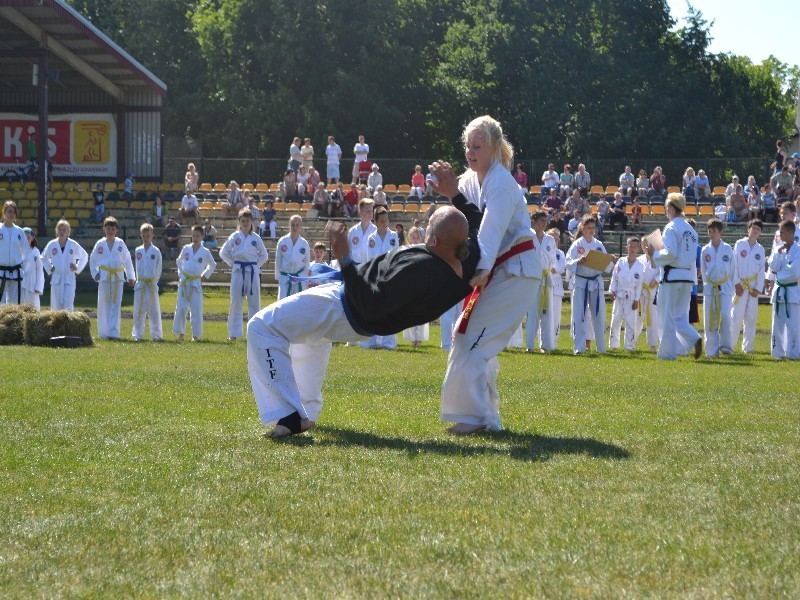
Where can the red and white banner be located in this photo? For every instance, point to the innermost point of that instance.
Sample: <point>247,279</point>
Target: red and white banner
<point>79,145</point>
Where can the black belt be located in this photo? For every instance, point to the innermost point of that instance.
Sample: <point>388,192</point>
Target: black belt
<point>5,277</point>
<point>669,268</point>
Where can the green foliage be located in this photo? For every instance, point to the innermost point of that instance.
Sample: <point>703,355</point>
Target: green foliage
<point>580,78</point>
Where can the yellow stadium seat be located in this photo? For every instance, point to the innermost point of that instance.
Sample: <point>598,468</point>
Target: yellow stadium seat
<point>179,187</point>
<point>390,188</point>
<point>597,189</point>
<point>59,195</point>
<point>164,187</point>
<point>136,205</point>
<point>82,213</point>
<point>673,189</point>
<point>19,195</point>
<point>248,187</point>
<point>30,185</point>
<point>83,185</point>
<point>70,213</point>
<point>690,211</point>
<point>611,189</point>
<point>56,186</point>
<point>279,206</point>
<point>85,195</point>
<point>274,187</point>
<point>205,187</point>
<point>719,190</point>
<point>220,188</point>
<point>262,188</point>
<point>16,185</point>
<point>412,209</point>
<point>705,211</point>
<point>424,207</point>
<point>396,207</point>
<point>292,207</point>
<point>657,209</point>
<point>535,189</point>
<point>5,194</point>
<point>151,187</point>
<point>73,195</point>
<point>403,189</point>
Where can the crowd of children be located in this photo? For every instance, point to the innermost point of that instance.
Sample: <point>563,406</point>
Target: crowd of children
<point>733,278</point>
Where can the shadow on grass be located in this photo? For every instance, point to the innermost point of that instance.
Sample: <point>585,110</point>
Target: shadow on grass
<point>519,446</point>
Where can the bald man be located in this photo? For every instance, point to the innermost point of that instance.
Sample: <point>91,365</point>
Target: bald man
<point>289,342</point>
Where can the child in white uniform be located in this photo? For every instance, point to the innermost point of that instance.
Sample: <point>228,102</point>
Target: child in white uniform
<point>63,259</point>
<point>33,273</point>
<point>146,303</point>
<point>292,258</point>
<point>716,266</point>
<point>556,288</point>
<point>13,249</point>
<point>194,262</point>
<point>539,308</point>
<point>244,251</point>
<point>626,292</point>
<point>647,315</point>
<point>749,259</point>
<point>381,241</point>
<point>587,294</point>
<point>110,264</point>
<point>784,265</point>
<point>360,232</point>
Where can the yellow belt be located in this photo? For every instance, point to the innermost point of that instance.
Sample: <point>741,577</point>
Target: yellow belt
<point>716,302</point>
<point>187,279</point>
<point>113,278</point>
<point>646,302</point>
<point>745,283</point>
<point>149,283</point>
<point>544,293</point>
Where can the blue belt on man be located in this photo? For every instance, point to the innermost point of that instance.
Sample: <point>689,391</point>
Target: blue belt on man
<point>586,295</point>
<point>247,265</point>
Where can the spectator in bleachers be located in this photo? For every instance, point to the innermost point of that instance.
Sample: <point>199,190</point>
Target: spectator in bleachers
<point>574,223</point>
<point>521,177</point>
<point>627,182</point>
<point>549,179</point>
<point>172,236</point>
<point>401,234</point>
<point>415,236</point>
<point>736,204</point>
<point>268,222</point>
<point>566,181</point>
<point>307,154</point>
<point>417,183</point>
<point>158,213</point>
<point>689,181</point>
<point>361,152</point>
<point>603,214</point>
<point>351,199</point>
<point>732,187</point>
<point>702,186</point>
<point>320,201</point>
<point>658,182</point>
<point>553,202</point>
<point>583,181</point>
<point>576,202</point>
<point>333,154</point>
<point>233,204</point>
<point>780,156</point>
<point>375,179</point>
<point>753,195</point>
<point>769,208</point>
<point>99,202</point>
<point>642,183</point>
<point>128,183</point>
<point>364,171</point>
<point>337,201</point>
<point>190,207</point>
<point>209,235</point>
<point>192,178</point>
<point>290,185</point>
<point>313,181</point>
<point>363,192</point>
<point>302,182</point>
<point>618,212</point>
<point>248,203</point>
<point>557,222</point>
<point>430,184</point>
<point>295,156</point>
<point>784,184</point>
<point>380,197</point>
<point>636,213</point>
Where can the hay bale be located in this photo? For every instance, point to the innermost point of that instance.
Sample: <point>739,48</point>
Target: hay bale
<point>12,318</point>
<point>40,327</point>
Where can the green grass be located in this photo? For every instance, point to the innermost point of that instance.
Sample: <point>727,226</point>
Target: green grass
<point>137,470</point>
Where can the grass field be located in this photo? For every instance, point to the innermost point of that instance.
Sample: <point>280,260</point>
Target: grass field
<point>137,470</point>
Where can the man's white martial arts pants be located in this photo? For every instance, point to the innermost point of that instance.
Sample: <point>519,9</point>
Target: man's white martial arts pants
<point>678,335</point>
<point>288,352</point>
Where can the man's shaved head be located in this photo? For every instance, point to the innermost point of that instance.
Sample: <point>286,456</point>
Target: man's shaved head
<point>449,226</point>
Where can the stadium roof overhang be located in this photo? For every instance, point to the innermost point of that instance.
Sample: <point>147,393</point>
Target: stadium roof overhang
<point>82,55</point>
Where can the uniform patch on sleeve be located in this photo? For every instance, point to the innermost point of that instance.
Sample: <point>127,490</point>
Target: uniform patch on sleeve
<point>355,241</point>
<point>707,258</point>
<point>372,243</point>
<point>284,247</point>
<point>726,258</point>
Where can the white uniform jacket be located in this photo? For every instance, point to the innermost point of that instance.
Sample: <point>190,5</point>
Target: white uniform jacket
<point>377,246</point>
<point>109,264</point>
<point>240,248</point>
<point>748,265</point>
<point>292,258</point>
<point>505,219</point>
<point>785,267</point>
<point>194,263</point>
<point>33,280</point>
<point>148,266</point>
<point>626,280</point>
<point>359,242</point>
<point>57,261</point>
<point>716,267</point>
<point>584,277</point>
<point>13,249</point>
<point>678,257</point>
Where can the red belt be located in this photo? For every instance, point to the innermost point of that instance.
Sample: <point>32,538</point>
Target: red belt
<point>469,303</point>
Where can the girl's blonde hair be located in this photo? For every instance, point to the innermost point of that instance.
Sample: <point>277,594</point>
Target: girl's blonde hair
<point>65,223</point>
<point>491,131</point>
